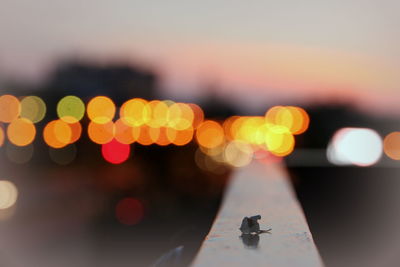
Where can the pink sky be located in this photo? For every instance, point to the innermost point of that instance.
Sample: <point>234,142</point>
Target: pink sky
<point>267,51</point>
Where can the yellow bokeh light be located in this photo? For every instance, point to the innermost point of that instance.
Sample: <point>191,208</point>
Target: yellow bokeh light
<point>159,113</point>
<point>214,151</point>
<point>21,132</point>
<point>279,141</point>
<point>70,109</point>
<point>10,108</point>
<point>33,108</point>
<point>180,116</point>
<point>238,154</point>
<point>210,134</point>
<point>101,109</point>
<point>391,145</point>
<point>57,134</point>
<point>250,130</point>
<point>101,133</point>
<point>135,112</point>
<point>8,194</point>
<point>295,119</point>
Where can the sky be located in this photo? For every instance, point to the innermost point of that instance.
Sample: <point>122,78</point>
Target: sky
<point>255,51</point>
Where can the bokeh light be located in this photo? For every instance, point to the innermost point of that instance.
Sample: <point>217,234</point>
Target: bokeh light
<point>63,156</point>
<point>158,113</point>
<point>101,133</point>
<point>10,108</point>
<point>180,116</point>
<point>19,154</point>
<point>101,109</point>
<point>210,134</point>
<point>70,109</point>
<point>115,152</point>
<point>160,122</point>
<point>57,134</point>
<point>146,135</point>
<point>76,131</point>
<point>2,136</point>
<point>8,194</point>
<point>238,154</point>
<point>391,145</point>
<point>135,112</point>
<point>123,132</point>
<point>165,136</point>
<point>33,108</point>
<point>129,211</point>
<point>198,115</point>
<point>21,132</point>
<point>279,140</point>
<point>295,119</point>
<point>358,146</point>
<point>180,137</point>
<point>207,163</point>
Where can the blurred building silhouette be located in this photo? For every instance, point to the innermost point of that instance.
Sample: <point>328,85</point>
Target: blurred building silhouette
<point>86,80</point>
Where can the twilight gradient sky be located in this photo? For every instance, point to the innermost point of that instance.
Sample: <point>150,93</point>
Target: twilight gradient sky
<point>257,51</point>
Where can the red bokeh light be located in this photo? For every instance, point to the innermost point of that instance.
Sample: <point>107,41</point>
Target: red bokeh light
<point>129,211</point>
<point>115,152</point>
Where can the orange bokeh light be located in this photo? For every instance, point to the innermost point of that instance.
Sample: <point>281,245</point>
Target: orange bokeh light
<point>10,108</point>
<point>182,137</point>
<point>123,132</point>
<point>57,134</point>
<point>163,137</point>
<point>101,133</point>
<point>1,136</point>
<point>101,109</point>
<point>391,145</point>
<point>210,134</point>
<point>198,115</point>
<point>76,131</point>
<point>21,132</point>
<point>146,135</point>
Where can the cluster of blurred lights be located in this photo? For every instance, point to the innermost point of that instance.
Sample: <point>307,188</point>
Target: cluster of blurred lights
<point>355,146</point>
<point>238,139</point>
<point>234,141</point>
<point>362,147</point>
<point>144,122</point>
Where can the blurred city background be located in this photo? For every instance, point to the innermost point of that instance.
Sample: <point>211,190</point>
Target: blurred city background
<point>121,123</point>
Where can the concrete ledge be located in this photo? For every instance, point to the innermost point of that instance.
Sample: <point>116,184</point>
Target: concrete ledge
<point>265,190</point>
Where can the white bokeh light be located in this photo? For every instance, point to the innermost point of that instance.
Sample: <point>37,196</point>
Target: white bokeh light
<point>357,146</point>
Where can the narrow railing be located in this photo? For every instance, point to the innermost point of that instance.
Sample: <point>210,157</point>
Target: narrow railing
<point>265,190</point>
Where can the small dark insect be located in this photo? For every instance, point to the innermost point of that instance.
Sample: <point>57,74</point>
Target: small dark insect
<point>250,225</point>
